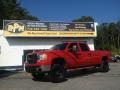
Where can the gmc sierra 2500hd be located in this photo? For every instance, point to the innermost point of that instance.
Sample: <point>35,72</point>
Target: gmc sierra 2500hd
<point>65,56</point>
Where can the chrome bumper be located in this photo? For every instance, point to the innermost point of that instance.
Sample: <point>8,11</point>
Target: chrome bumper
<point>42,68</point>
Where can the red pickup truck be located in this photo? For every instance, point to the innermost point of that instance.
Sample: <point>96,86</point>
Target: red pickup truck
<point>65,56</point>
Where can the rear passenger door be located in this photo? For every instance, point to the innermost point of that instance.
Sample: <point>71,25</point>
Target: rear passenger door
<point>84,55</point>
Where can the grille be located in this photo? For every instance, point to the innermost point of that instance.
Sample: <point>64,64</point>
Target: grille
<point>31,59</point>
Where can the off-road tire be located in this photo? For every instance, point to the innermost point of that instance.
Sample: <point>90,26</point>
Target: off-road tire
<point>104,67</point>
<point>57,73</point>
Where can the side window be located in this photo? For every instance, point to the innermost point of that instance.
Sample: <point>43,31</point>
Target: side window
<point>84,47</point>
<point>73,47</point>
<point>59,46</point>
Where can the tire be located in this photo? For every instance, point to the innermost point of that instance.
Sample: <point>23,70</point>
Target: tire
<point>104,67</point>
<point>37,76</point>
<point>57,73</point>
<point>117,60</point>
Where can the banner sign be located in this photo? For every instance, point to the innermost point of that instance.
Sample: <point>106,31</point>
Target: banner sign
<point>25,28</point>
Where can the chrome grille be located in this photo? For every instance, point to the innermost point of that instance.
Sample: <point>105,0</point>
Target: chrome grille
<point>32,59</point>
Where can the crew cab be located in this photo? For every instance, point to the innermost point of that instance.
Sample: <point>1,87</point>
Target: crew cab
<point>65,56</point>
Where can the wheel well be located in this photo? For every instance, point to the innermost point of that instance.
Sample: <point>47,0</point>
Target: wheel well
<point>104,58</point>
<point>60,61</point>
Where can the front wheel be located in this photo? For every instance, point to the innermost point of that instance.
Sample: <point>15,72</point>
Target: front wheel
<point>104,67</point>
<point>57,73</point>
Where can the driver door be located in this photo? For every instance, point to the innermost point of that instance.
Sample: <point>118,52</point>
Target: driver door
<point>72,54</point>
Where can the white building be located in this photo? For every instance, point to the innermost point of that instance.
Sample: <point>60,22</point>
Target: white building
<point>15,44</point>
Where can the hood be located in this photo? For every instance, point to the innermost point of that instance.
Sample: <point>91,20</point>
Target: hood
<point>45,51</point>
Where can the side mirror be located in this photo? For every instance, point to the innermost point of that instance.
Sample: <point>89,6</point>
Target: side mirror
<point>74,48</point>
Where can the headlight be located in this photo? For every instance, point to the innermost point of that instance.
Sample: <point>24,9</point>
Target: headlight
<point>42,57</point>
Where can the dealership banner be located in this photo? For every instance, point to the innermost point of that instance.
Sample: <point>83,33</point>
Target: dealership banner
<point>26,28</point>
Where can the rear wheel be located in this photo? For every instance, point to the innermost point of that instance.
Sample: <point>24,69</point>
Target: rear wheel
<point>57,73</point>
<point>104,67</point>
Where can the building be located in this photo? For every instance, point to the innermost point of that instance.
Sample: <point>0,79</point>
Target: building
<point>20,37</point>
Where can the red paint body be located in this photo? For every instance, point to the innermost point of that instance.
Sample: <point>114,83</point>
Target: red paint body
<point>77,58</point>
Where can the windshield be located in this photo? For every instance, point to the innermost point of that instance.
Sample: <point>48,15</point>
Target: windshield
<point>59,47</point>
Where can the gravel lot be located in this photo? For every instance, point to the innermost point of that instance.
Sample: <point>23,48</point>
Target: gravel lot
<point>76,80</point>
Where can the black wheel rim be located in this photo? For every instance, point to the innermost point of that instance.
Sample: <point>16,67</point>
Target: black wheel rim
<point>59,73</point>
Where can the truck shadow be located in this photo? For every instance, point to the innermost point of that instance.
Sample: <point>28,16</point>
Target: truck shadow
<point>81,72</point>
<point>5,73</point>
<point>73,74</point>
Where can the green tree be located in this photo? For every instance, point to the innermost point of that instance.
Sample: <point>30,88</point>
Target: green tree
<point>84,19</point>
<point>118,30</point>
<point>108,37</point>
<point>11,9</point>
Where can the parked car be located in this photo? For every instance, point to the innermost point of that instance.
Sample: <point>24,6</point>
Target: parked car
<point>116,58</point>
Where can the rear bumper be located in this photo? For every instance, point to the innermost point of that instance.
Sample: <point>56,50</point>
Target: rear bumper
<point>42,68</point>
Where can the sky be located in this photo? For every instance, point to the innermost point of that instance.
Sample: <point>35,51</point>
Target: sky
<point>68,10</point>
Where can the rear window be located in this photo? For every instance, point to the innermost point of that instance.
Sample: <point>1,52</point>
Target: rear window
<point>84,47</point>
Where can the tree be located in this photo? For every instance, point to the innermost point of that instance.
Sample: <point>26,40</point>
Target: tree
<point>118,29</point>
<point>84,19</point>
<point>108,37</point>
<point>11,9</point>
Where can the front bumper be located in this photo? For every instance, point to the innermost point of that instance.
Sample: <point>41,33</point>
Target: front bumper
<point>42,68</point>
